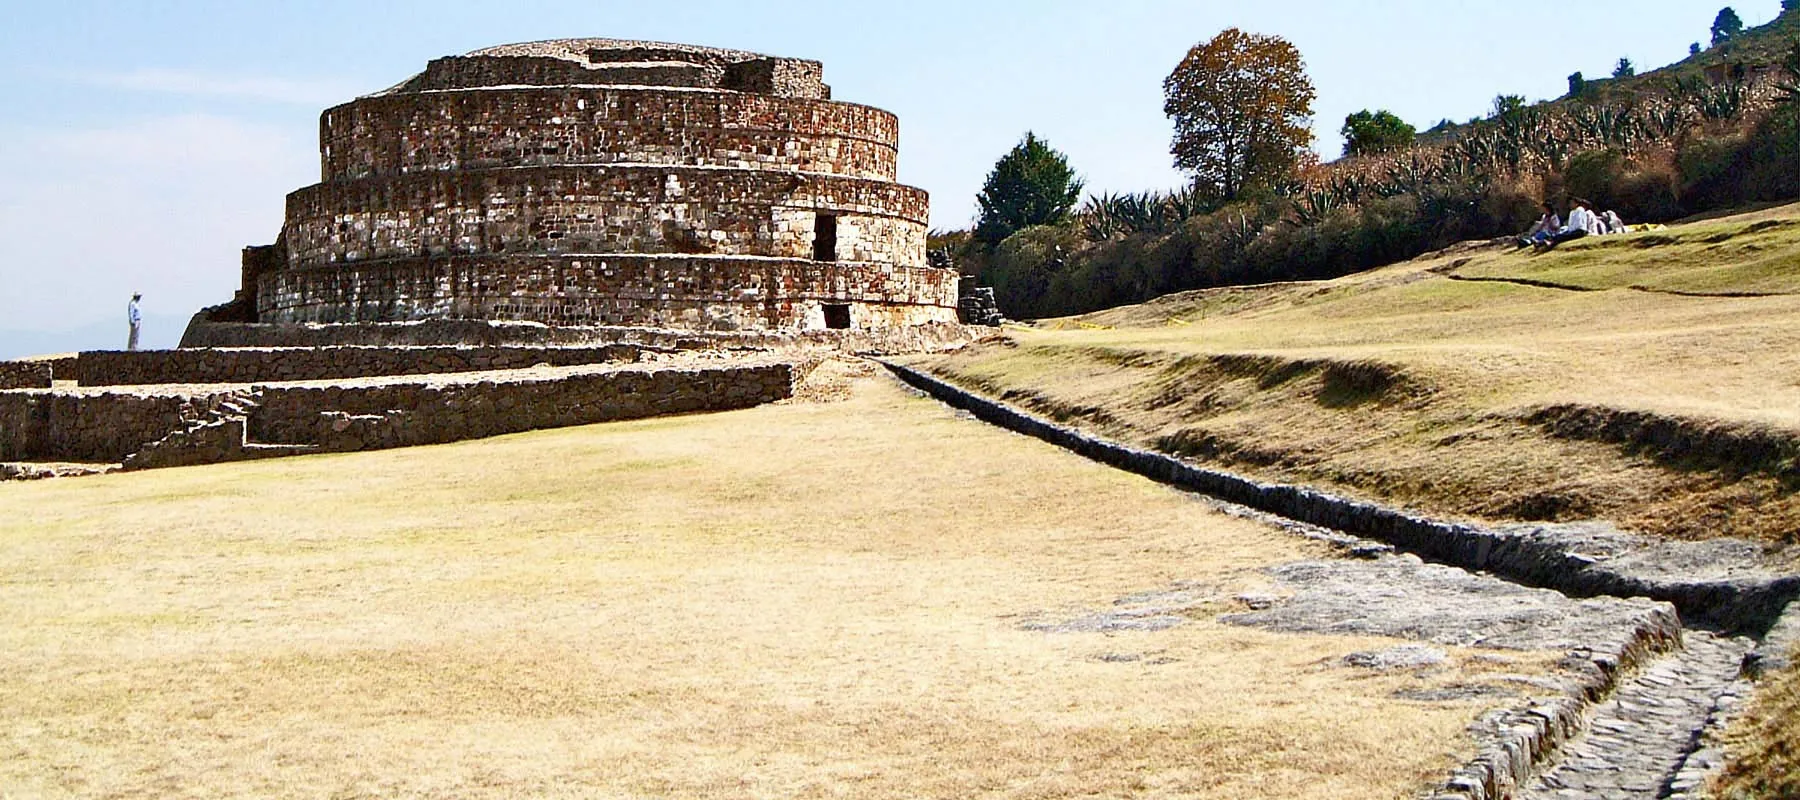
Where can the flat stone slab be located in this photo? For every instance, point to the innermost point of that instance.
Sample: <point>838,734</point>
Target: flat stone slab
<point>1404,597</point>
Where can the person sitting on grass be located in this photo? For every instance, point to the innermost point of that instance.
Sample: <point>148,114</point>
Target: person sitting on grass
<point>1582,222</point>
<point>1613,223</point>
<point>1546,227</point>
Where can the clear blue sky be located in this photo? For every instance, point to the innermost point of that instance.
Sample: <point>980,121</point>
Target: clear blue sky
<point>143,143</point>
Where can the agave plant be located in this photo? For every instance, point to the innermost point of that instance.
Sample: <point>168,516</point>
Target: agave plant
<point>1313,208</point>
<point>1241,231</point>
<point>1099,222</point>
<point>1790,68</point>
<point>1722,102</point>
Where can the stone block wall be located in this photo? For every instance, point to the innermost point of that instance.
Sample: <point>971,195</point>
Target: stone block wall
<point>650,64</point>
<point>263,365</point>
<point>404,414</point>
<point>637,210</point>
<point>185,426</point>
<point>93,425</point>
<point>26,374</point>
<point>387,135</point>
<point>204,331</point>
<point>667,291</point>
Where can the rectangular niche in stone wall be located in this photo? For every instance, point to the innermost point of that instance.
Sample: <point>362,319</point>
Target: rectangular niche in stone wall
<point>825,231</point>
<point>837,316</point>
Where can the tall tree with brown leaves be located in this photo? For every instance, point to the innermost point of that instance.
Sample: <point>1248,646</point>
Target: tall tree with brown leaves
<point>1242,106</point>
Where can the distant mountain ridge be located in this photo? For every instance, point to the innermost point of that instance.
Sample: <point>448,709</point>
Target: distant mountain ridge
<point>160,331</point>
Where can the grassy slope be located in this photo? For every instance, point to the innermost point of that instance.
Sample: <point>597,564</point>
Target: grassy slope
<point>1407,385</point>
<point>807,600</point>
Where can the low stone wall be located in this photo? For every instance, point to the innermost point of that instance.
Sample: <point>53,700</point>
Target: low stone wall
<point>269,364</point>
<point>403,414</point>
<point>1719,582</point>
<point>203,426</point>
<point>93,425</point>
<point>25,374</point>
<point>204,331</point>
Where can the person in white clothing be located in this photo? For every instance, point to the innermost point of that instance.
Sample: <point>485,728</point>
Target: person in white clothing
<point>135,319</point>
<point>1546,227</point>
<point>1582,222</point>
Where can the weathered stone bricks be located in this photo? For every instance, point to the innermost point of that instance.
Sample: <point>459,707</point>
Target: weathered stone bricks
<point>598,182</point>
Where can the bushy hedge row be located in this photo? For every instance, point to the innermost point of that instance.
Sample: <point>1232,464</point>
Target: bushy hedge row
<point>1054,271</point>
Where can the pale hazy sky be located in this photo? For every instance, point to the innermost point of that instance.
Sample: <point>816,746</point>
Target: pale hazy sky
<point>144,143</point>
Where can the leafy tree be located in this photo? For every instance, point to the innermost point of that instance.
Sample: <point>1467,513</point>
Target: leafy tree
<point>1726,26</point>
<point>1625,69</point>
<point>1507,105</point>
<point>1030,185</point>
<point>1577,85</point>
<point>1789,5</point>
<point>1242,107</point>
<point>1694,49</point>
<point>1368,133</point>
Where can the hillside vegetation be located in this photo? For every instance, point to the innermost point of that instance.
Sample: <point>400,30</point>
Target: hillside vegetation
<point>1652,379</point>
<point>1718,131</point>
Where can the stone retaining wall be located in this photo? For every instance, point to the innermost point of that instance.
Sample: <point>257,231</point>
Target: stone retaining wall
<point>93,426</point>
<point>25,374</point>
<point>205,331</point>
<point>401,414</point>
<point>270,364</point>
<point>109,426</point>
<point>1742,599</point>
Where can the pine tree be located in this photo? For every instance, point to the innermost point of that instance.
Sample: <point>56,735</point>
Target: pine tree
<point>1625,69</point>
<point>1031,185</point>
<point>1726,26</point>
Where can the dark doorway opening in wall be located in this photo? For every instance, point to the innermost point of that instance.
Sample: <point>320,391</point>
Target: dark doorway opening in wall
<point>825,238</point>
<point>837,316</point>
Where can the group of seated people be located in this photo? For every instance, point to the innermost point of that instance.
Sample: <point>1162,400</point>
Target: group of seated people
<point>1551,231</point>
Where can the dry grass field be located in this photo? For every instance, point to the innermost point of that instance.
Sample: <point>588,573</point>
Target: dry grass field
<point>1481,382</point>
<point>815,599</point>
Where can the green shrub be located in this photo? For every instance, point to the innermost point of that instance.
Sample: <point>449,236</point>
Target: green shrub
<point>1023,266</point>
<point>1771,157</point>
<point>1710,169</point>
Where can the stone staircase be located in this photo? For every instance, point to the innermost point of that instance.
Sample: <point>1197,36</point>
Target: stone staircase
<point>219,433</point>
<point>976,306</point>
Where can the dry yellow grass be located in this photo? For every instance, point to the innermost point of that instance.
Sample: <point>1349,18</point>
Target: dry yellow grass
<point>1765,744</point>
<point>806,600</point>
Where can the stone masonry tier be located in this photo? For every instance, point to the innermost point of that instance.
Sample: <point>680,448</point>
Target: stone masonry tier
<point>260,364</point>
<point>604,210</point>
<point>510,127</point>
<point>562,62</point>
<point>693,292</point>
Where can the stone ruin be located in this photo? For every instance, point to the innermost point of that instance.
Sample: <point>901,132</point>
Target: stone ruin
<point>526,236</point>
<point>597,182</point>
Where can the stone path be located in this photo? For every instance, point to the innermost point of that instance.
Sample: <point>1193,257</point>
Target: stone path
<point>1637,740</point>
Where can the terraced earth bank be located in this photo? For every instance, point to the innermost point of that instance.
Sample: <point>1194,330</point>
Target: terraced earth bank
<point>1645,385</point>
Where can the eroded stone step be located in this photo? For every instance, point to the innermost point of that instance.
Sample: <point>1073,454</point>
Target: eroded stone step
<point>1637,740</point>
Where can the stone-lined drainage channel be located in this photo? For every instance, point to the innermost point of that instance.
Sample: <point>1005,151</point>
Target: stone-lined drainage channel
<point>1643,699</point>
